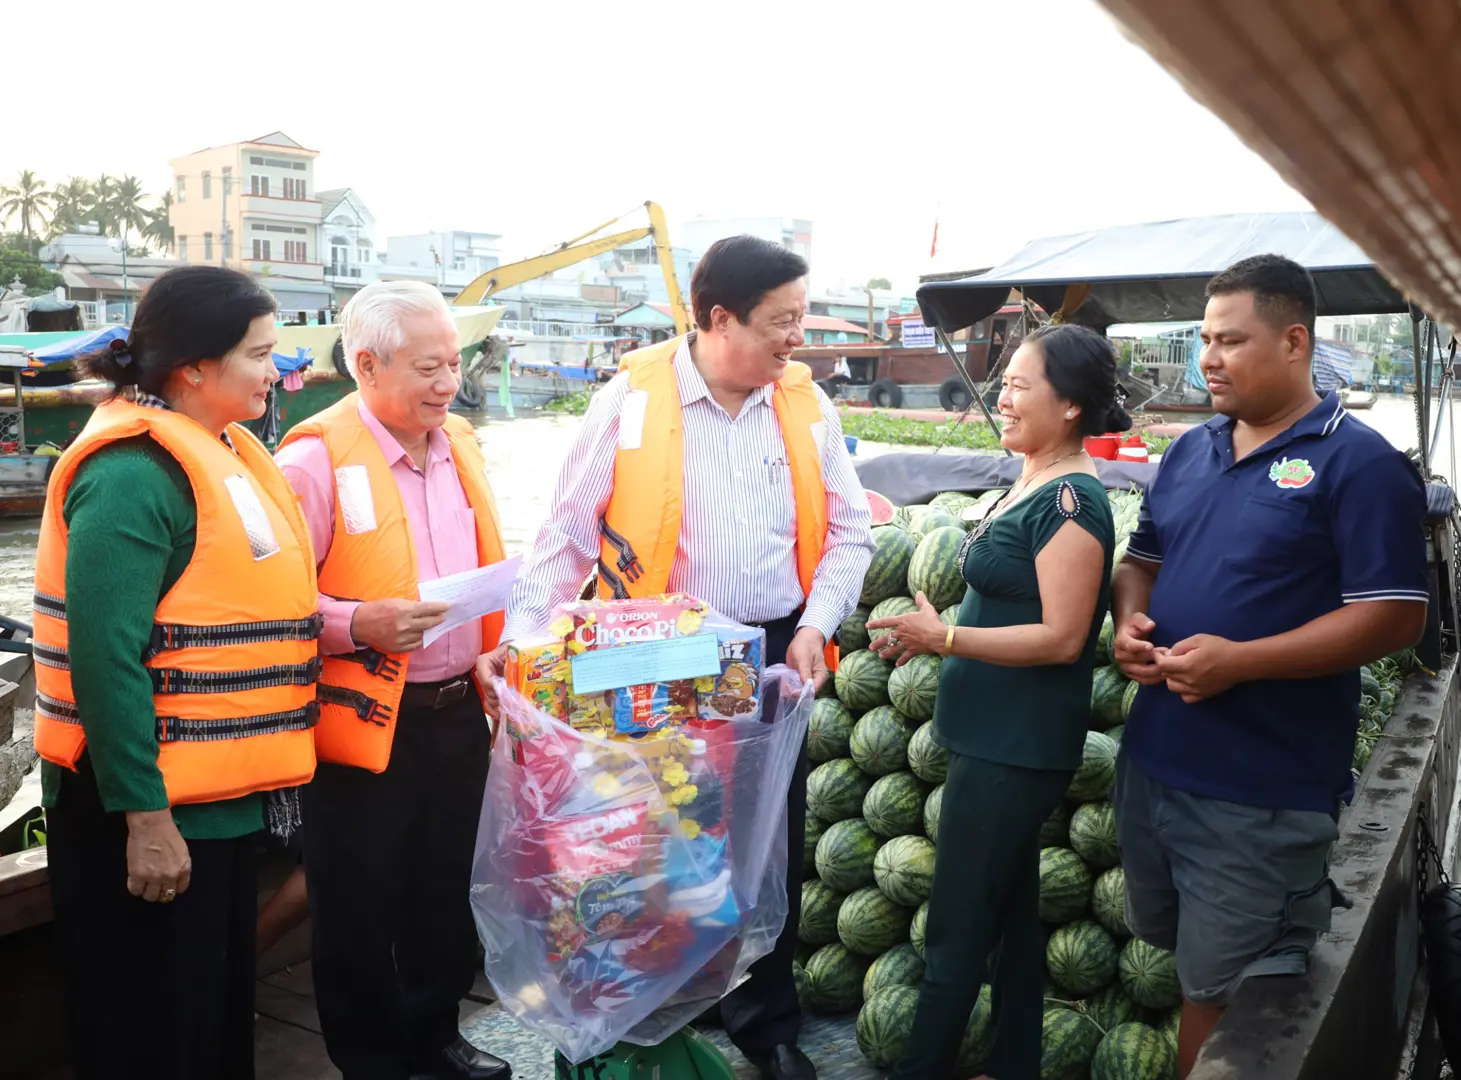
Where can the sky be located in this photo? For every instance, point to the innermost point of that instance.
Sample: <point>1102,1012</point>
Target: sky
<point>1003,121</point>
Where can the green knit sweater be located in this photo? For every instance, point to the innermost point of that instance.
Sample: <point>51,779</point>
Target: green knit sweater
<point>132,525</point>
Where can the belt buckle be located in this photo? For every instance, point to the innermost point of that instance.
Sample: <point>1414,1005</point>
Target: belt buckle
<point>451,693</point>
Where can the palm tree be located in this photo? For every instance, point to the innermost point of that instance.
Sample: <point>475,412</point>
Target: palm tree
<point>119,205</point>
<point>29,199</point>
<point>75,202</point>
<point>159,231</point>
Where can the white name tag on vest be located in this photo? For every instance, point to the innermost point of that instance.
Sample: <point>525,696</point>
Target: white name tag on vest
<point>262,541</point>
<point>631,419</point>
<point>357,504</point>
<point>819,436</point>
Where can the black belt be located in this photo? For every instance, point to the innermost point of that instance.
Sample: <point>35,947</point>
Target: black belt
<point>436,695</point>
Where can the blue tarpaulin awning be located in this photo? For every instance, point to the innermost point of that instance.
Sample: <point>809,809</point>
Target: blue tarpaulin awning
<point>61,352</point>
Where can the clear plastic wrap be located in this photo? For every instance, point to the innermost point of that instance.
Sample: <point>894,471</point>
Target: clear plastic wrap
<point>618,888</point>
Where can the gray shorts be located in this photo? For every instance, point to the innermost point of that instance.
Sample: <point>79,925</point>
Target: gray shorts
<point>1234,891</point>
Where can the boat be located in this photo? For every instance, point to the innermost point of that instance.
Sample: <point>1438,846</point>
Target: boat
<point>1353,398</point>
<point>23,474</point>
<point>54,414</point>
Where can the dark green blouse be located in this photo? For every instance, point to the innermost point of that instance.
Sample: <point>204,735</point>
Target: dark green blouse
<point>132,525</point>
<point>1033,717</point>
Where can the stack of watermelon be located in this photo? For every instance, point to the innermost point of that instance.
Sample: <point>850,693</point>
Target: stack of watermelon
<point>873,801</point>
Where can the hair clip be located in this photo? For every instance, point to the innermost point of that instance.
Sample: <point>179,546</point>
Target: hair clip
<point>121,352</point>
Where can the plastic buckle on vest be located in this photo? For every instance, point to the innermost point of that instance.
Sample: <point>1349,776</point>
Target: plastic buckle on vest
<point>311,714</point>
<point>313,667</point>
<point>361,704</point>
<point>315,624</point>
<point>377,663</point>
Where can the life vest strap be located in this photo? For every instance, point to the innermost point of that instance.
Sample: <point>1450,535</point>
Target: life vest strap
<point>613,581</point>
<point>50,605</point>
<point>169,636</point>
<point>627,562</point>
<point>63,712</point>
<point>176,729</point>
<point>357,701</point>
<point>51,656</point>
<point>175,681</point>
<point>375,662</point>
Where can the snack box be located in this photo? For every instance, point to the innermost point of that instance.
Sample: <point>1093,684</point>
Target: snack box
<point>538,669</point>
<point>736,691</point>
<point>601,624</point>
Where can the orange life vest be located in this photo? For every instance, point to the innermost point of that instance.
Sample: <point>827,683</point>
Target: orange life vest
<point>233,657</point>
<point>641,524</point>
<point>373,557</point>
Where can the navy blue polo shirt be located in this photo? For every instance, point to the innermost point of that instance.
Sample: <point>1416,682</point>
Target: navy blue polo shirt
<point>1326,514</point>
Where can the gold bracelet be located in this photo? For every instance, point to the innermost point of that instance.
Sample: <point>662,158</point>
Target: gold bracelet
<point>949,641</point>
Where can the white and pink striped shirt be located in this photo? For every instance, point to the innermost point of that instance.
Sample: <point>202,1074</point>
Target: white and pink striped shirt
<point>738,525</point>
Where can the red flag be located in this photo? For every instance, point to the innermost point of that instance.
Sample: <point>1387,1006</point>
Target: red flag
<point>933,248</point>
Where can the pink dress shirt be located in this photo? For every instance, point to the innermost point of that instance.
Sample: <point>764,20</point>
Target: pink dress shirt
<point>442,530</point>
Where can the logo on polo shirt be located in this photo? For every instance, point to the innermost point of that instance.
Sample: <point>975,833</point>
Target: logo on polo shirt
<point>1291,474</point>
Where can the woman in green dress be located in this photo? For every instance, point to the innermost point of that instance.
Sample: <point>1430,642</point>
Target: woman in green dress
<point>1014,699</point>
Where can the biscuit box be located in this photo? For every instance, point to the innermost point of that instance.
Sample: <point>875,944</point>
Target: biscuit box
<point>538,670</point>
<point>736,691</point>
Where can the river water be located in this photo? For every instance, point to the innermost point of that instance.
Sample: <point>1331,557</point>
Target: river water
<point>523,458</point>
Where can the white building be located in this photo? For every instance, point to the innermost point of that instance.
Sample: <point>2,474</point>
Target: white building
<point>451,259</point>
<point>794,234</point>
<point>347,242</point>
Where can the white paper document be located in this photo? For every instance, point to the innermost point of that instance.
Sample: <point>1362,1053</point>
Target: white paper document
<point>471,594</point>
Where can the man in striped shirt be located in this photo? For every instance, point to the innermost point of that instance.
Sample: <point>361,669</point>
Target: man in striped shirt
<point>712,428</point>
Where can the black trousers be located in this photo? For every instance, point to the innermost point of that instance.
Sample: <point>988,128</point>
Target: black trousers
<point>763,1012</point>
<point>986,894</point>
<point>164,991</point>
<point>388,859</point>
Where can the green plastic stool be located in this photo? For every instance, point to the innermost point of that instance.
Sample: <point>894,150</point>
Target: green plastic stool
<point>685,1055</point>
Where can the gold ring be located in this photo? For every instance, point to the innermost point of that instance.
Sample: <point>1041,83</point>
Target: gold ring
<point>169,895</point>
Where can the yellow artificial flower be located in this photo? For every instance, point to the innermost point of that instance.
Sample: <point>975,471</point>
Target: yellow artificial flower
<point>705,684</point>
<point>675,774</point>
<point>683,794</point>
<point>561,627</point>
<point>607,785</point>
<point>690,827</point>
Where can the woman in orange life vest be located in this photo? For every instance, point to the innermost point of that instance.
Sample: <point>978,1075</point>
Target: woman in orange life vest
<point>176,661</point>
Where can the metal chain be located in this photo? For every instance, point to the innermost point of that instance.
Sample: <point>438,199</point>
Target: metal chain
<point>1426,854</point>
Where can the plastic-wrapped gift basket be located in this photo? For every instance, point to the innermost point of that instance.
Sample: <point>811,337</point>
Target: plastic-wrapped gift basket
<point>631,855</point>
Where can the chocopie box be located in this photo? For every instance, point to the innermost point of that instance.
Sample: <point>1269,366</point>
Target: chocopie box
<point>736,692</point>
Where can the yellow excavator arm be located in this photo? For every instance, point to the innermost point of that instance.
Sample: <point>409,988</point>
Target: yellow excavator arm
<point>573,251</point>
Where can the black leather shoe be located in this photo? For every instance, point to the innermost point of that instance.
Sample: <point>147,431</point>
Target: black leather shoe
<point>463,1059</point>
<point>786,1062</point>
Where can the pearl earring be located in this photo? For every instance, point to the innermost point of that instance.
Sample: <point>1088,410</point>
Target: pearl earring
<point>1070,414</point>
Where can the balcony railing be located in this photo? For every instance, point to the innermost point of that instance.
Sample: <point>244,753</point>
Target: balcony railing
<point>338,270</point>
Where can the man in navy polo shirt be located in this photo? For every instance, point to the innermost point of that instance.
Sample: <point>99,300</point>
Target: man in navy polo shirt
<point>1281,546</point>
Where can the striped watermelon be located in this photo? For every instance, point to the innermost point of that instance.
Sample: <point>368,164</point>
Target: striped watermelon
<point>931,808</point>
<point>879,743</point>
<point>949,616</point>
<point>928,760</point>
<point>887,574</point>
<point>1111,1006</point>
<point>1068,1042</point>
<point>891,608</point>
<point>1171,1024</point>
<point>1056,830</point>
<point>803,953</point>
<point>903,869</point>
<point>835,975</point>
<point>1065,884</point>
<point>1081,957</point>
<point>913,687</point>
<point>1149,975</point>
<point>1128,699</point>
<point>916,930</point>
<point>1108,687</point>
<point>1115,734</point>
<point>829,730</point>
<point>953,502</point>
<point>1108,902</point>
<point>978,1038</point>
<point>845,855</point>
<point>1106,642</point>
<point>803,984</point>
<point>853,635</point>
<point>835,790</point>
<point>870,924</point>
<point>811,833</point>
<point>818,924</point>
<point>899,966</point>
<point>934,569</point>
<point>1097,772</point>
<point>862,680</point>
<point>926,519</point>
<point>895,806</point>
<point>884,1024</point>
<point>1133,1051</point>
<point>1093,834</point>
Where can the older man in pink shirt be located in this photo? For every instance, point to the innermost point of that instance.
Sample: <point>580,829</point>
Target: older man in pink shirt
<point>390,819</point>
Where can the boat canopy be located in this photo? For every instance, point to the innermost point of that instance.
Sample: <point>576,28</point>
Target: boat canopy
<point>1157,272</point>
